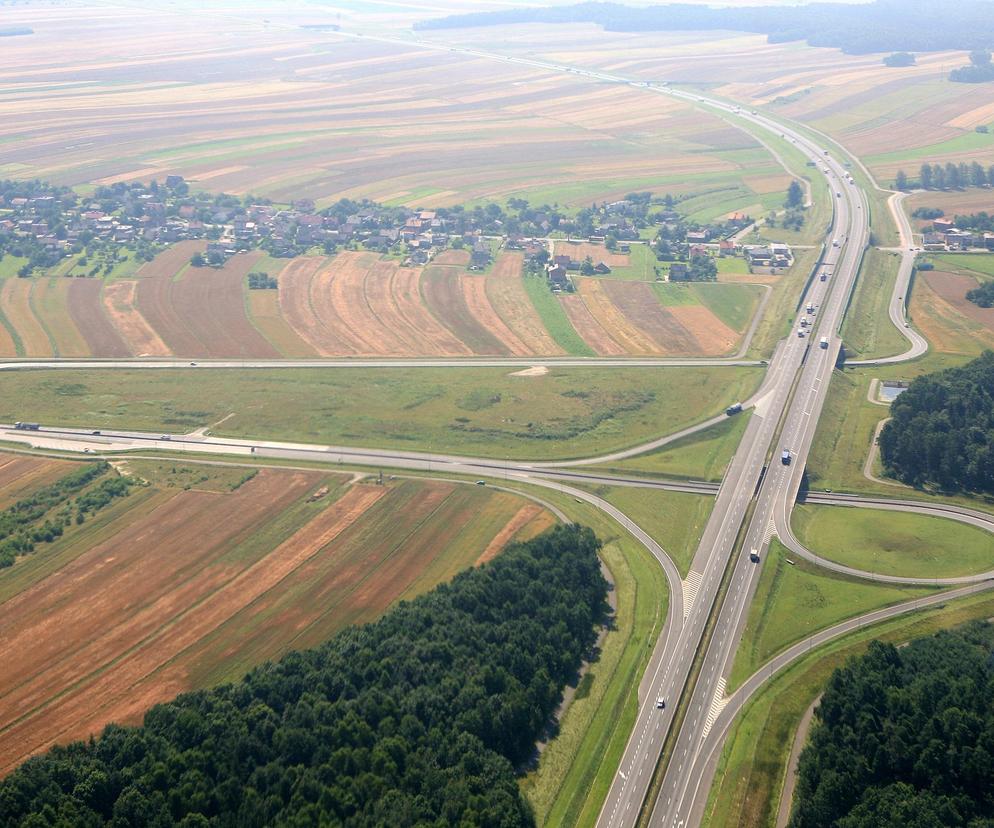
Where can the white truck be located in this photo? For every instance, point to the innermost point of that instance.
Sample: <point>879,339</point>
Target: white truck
<point>823,343</point>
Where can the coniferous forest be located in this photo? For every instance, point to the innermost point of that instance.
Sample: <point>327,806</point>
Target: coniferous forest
<point>420,718</point>
<point>904,738</point>
<point>941,430</point>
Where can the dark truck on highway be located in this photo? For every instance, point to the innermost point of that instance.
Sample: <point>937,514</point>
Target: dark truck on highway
<point>27,426</point>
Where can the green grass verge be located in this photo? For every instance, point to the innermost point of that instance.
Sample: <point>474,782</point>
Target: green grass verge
<point>749,778</point>
<point>977,262</point>
<point>701,456</point>
<point>868,329</point>
<point>641,265</point>
<point>569,412</point>
<point>796,600</point>
<point>675,520</point>
<point>577,767</point>
<point>894,543</point>
<point>551,312</point>
<point>734,304</point>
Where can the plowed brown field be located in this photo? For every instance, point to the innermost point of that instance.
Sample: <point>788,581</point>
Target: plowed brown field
<point>191,587</point>
<point>68,631</point>
<point>638,302</point>
<point>90,316</point>
<point>121,303</point>
<point>19,472</point>
<point>171,260</point>
<point>589,328</point>
<point>509,299</point>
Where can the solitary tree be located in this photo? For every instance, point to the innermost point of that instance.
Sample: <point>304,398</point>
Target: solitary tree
<point>795,195</point>
<point>901,180</point>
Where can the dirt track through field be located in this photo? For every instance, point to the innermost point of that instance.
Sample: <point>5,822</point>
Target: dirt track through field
<point>630,337</point>
<point>15,299</point>
<point>88,312</point>
<point>589,328</point>
<point>125,595</point>
<point>121,303</point>
<point>511,302</point>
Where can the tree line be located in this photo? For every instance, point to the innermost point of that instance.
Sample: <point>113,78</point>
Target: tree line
<point>420,718</point>
<point>982,296</point>
<point>947,176</point>
<point>880,26</point>
<point>941,431</point>
<point>904,737</point>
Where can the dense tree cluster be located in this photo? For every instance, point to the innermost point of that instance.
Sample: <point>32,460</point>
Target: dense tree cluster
<point>948,176</point>
<point>982,296</point>
<point>41,516</point>
<point>417,719</point>
<point>904,737</point>
<point>879,26</point>
<point>979,69</point>
<point>899,59</point>
<point>941,430</point>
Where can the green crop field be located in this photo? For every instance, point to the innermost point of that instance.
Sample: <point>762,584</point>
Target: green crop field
<point>551,312</point>
<point>895,543</point>
<point>796,600</point>
<point>569,412</point>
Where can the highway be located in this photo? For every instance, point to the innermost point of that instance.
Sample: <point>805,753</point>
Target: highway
<point>756,495</point>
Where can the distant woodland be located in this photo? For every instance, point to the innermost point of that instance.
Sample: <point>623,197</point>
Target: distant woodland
<point>881,26</point>
<point>941,431</point>
<point>904,738</point>
<point>421,718</point>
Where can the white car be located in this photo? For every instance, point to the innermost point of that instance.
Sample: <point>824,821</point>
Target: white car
<point>660,703</point>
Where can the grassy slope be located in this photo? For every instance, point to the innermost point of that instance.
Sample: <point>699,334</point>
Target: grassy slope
<point>867,329</point>
<point>795,601</point>
<point>473,410</point>
<point>675,520</point>
<point>895,543</point>
<point>551,312</point>
<point>576,769</point>
<point>749,778</point>
<point>701,456</point>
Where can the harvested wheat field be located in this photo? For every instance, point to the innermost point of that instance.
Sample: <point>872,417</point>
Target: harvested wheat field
<point>950,323</point>
<point>15,301</point>
<point>633,339</point>
<point>589,328</point>
<point>91,317</point>
<point>506,293</point>
<point>173,589</point>
<point>50,300</point>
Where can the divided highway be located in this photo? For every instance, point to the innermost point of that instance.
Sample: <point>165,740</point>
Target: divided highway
<point>753,502</point>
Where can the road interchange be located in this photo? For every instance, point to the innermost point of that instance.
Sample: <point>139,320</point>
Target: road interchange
<point>757,493</point>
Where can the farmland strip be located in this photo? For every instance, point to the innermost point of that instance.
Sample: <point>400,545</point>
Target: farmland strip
<point>406,292</point>
<point>295,301</point>
<point>90,316</point>
<point>344,306</point>
<point>641,306</point>
<point>633,340</point>
<point>441,290</point>
<point>15,298</point>
<point>590,328</point>
<point>507,294</point>
<point>521,518</point>
<point>121,303</point>
<point>266,316</point>
<point>474,290</point>
<point>52,307</point>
